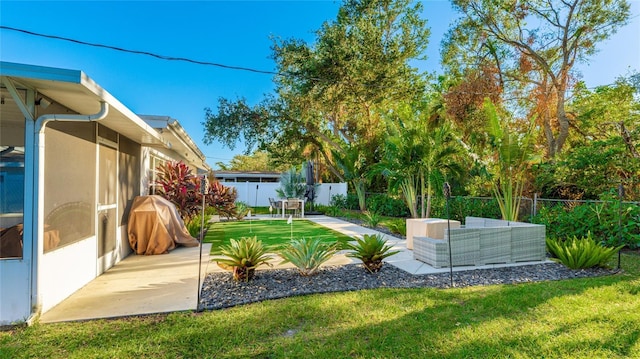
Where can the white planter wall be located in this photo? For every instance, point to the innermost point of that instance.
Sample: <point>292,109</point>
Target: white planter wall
<point>257,194</point>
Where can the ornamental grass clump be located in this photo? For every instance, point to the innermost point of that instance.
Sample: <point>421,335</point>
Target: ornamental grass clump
<point>243,257</point>
<point>398,226</point>
<point>372,219</point>
<point>308,254</point>
<point>371,250</point>
<point>580,253</point>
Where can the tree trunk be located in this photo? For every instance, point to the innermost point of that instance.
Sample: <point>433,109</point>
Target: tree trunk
<point>626,137</point>
<point>548,132</point>
<point>563,121</point>
<point>428,214</point>
<point>422,195</point>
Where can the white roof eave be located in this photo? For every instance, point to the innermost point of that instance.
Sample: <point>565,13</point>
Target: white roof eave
<point>75,90</point>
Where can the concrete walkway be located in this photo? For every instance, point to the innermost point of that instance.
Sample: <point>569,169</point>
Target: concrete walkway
<point>167,283</point>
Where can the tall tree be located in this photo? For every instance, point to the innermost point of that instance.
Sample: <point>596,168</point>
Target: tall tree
<point>331,93</point>
<point>535,45</point>
<point>606,151</point>
<point>257,161</point>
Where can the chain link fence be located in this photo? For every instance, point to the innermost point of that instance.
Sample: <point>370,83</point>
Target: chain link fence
<point>611,221</point>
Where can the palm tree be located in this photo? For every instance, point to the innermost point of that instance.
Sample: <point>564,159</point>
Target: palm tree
<point>511,156</point>
<point>351,161</point>
<point>439,161</point>
<point>400,164</point>
<point>419,151</point>
<point>292,184</point>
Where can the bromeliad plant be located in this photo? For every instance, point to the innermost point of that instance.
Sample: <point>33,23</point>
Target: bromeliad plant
<point>308,254</point>
<point>243,257</point>
<point>242,210</point>
<point>371,250</point>
<point>580,253</point>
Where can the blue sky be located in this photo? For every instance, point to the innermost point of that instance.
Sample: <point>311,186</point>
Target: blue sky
<point>233,33</point>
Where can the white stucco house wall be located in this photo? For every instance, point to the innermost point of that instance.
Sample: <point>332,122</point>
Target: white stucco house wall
<point>72,159</point>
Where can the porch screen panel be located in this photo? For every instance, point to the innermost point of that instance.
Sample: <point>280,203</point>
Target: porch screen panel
<point>129,176</point>
<point>107,198</point>
<point>106,231</point>
<point>12,130</point>
<point>69,183</point>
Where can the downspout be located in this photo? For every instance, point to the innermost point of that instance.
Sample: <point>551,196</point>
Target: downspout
<point>38,190</point>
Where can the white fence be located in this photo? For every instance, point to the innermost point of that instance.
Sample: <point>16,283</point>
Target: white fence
<point>258,194</point>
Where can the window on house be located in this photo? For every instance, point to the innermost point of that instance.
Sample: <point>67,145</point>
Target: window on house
<point>154,163</point>
<point>12,181</point>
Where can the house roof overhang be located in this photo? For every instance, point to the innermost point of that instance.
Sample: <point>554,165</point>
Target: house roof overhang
<point>74,90</point>
<point>178,139</point>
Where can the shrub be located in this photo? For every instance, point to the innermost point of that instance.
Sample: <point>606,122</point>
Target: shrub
<point>352,201</point>
<point>371,250</point>
<point>598,218</point>
<point>243,257</point>
<point>387,205</point>
<point>398,225</point>
<point>178,184</point>
<point>194,225</point>
<point>222,198</point>
<point>461,207</point>
<point>320,208</point>
<point>338,201</point>
<point>371,219</point>
<point>334,211</point>
<point>242,210</point>
<point>580,253</point>
<point>307,254</point>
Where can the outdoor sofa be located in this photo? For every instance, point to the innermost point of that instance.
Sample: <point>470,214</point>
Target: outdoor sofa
<point>483,241</point>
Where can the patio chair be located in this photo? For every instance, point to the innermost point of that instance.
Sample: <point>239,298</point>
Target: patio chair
<point>292,204</point>
<point>276,205</point>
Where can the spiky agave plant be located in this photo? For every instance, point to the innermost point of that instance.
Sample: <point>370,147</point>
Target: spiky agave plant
<point>243,256</point>
<point>308,254</point>
<point>371,250</point>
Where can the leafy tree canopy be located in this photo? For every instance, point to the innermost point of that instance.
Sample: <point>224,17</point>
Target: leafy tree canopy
<point>331,93</point>
<point>533,45</point>
<point>257,161</point>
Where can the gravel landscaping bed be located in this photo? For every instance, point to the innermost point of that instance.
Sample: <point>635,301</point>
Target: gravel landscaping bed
<point>220,291</point>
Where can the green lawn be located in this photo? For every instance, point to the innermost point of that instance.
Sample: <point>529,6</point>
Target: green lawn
<point>271,232</point>
<point>579,318</point>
